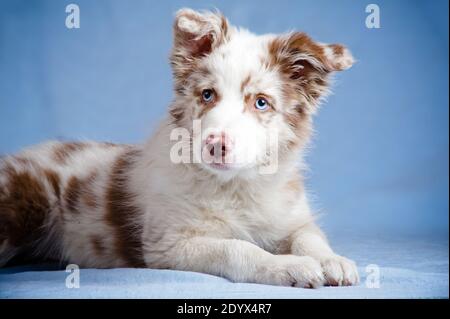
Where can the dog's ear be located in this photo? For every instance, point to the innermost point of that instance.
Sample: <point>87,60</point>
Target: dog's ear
<point>196,34</point>
<point>299,54</point>
<point>307,64</point>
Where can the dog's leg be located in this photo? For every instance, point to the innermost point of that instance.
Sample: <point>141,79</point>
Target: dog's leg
<point>310,241</point>
<point>241,261</point>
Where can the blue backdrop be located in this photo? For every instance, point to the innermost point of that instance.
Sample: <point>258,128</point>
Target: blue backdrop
<point>381,153</point>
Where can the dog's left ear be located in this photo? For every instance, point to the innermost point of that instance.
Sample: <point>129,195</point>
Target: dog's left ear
<point>297,49</point>
<point>196,34</point>
<point>307,63</point>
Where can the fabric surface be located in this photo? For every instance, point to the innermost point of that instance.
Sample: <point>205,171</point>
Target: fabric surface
<point>379,157</point>
<point>411,267</point>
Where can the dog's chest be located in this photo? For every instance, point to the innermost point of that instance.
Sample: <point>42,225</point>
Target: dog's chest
<point>263,222</point>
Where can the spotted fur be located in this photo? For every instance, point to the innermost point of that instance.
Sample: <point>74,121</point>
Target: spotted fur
<point>106,205</point>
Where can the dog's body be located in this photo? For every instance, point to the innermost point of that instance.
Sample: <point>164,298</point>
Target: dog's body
<point>104,205</point>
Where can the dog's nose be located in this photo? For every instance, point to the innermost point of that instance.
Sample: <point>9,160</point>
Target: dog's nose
<point>219,145</point>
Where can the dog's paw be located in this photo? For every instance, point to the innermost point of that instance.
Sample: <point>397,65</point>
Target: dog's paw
<point>339,271</point>
<point>294,271</point>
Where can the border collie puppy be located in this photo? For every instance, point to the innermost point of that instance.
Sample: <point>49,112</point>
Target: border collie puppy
<point>218,187</point>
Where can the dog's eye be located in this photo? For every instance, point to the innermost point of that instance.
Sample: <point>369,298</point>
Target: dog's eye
<point>208,95</point>
<point>261,104</point>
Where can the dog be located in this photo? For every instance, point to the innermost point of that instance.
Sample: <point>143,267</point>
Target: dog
<point>210,191</point>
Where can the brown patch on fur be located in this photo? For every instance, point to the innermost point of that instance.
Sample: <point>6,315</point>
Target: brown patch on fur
<point>122,213</point>
<point>338,49</point>
<point>24,207</point>
<point>79,190</point>
<point>283,52</point>
<point>54,181</point>
<point>25,161</point>
<point>205,109</point>
<point>91,200</point>
<point>284,48</point>
<point>247,100</point>
<point>8,170</point>
<point>63,151</point>
<point>89,197</point>
<point>302,42</point>
<point>294,118</point>
<point>177,114</point>
<point>72,194</point>
<point>98,245</point>
<point>245,83</point>
<point>300,123</point>
<point>202,46</point>
<point>109,144</point>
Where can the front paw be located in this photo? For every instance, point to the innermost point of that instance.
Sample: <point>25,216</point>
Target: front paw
<point>290,270</point>
<point>338,270</point>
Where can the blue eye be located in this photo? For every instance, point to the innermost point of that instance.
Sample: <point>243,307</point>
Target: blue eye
<point>208,95</point>
<point>261,104</point>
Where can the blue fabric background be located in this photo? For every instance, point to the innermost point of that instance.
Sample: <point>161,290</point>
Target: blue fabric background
<point>379,161</point>
<point>380,157</point>
<point>409,267</point>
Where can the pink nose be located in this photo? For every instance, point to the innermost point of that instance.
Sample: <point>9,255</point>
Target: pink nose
<point>219,145</point>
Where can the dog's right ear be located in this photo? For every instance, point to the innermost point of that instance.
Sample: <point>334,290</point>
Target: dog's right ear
<point>196,34</point>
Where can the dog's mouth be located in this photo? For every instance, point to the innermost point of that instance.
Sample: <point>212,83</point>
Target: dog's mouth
<point>228,167</point>
<point>221,166</point>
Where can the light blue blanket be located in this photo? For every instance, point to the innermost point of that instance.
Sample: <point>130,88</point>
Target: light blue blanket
<point>408,268</point>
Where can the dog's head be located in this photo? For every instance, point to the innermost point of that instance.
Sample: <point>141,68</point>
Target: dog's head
<point>254,95</point>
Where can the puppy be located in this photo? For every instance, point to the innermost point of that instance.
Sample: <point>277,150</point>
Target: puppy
<point>217,189</point>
